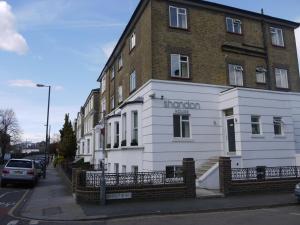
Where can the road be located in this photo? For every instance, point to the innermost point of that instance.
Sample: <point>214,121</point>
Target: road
<point>273,216</point>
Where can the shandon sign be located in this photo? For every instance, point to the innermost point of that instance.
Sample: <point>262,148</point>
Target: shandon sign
<point>182,105</point>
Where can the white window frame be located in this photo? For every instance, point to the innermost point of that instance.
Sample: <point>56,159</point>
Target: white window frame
<point>181,126</point>
<point>117,133</point>
<point>103,83</point>
<point>258,123</point>
<point>260,71</point>
<point>103,105</point>
<point>109,134</point>
<point>132,81</point>
<point>124,127</point>
<point>112,102</point>
<point>277,121</point>
<point>277,36</point>
<point>237,68</point>
<point>281,78</point>
<point>120,94</point>
<point>233,21</point>
<point>175,171</point>
<point>132,41</point>
<point>185,25</point>
<point>116,168</point>
<point>135,127</point>
<point>180,62</point>
<point>120,62</point>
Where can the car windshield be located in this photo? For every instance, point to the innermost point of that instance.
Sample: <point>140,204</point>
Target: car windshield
<point>19,164</point>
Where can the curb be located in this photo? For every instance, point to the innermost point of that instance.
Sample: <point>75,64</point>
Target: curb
<point>158,213</point>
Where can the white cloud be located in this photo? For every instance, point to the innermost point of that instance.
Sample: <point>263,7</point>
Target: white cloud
<point>21,83</point>
<point>108,48</point>
<point>10,39</point>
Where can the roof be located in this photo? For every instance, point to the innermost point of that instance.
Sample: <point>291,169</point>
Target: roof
<point>93,91</point>
<point>202,3</point>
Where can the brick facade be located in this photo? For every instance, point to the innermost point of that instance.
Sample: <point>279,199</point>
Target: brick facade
<point>207,43</point>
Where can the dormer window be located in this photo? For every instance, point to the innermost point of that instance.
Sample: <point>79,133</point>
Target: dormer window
<point>234,25</point>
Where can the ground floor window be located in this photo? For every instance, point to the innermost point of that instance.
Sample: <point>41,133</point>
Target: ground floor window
<point>181,126</point>
<point>116,167</point>
<point>277,122</point>
<point>135,169</point>
<point>173,171</point>
<point>123,169</point>
<point>255,123</point>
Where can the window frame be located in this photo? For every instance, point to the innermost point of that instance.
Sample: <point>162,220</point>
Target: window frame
<point>132,82</point>
<point>176,171</point>
<point>280,124</point>
<point>181,121</point>
<point>124,127</point>
<point>185,26</point>
<point>112,72</point>
<point>120,94</point>
<point>276,70</point>
<point>134,127</point>
<point>120,62</point>
<point>279,35</point>
<point>112,102</point>
<point>132,41</point>
<point>233,22</point>
<point>261,71</point>
<point>180,62</point>
<point>257,123</point>
<point>117,133</point>
<point>103,84</point>
<point>236,67</point>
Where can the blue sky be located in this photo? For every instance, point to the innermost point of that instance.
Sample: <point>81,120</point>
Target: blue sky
<point>65,43</point>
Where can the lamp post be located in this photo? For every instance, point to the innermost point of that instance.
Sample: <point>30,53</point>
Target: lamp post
<point>47,124</point>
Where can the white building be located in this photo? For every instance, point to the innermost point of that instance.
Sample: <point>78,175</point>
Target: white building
<point>166,121</point>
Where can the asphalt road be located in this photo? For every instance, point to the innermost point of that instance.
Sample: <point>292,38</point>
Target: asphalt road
<point>273,216</point>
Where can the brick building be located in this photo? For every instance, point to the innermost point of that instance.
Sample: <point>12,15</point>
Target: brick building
<point>195,79</point>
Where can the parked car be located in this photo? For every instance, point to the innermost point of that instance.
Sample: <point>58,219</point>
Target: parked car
<point>19,171</point>
<point>297,192</point>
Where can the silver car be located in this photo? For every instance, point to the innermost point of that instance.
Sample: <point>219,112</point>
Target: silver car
<point>19,171</point>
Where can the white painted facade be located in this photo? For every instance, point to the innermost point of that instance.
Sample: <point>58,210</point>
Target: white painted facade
<point>157,147</point>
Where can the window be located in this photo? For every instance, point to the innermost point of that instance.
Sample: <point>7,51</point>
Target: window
<point>178,17</point>
<point>180,66</point>
<point>181,125</point>
<point>234,25</point>
<point>135,169</point>
<point>120,62</point>
<point>109,134</point>
<point>134,131</point>
<point>120,94</point>
<point>88,145</point>
<point>82,147</point>
<point>235,75</point>
<point>116,165</point>
<point>132,81</point>
<point>281,76</point>
<point>112,102</point>
<point>124,127</point>
<point>112,72</point>
<point>103,84</point>
<point>173,171</point>
<point>108,167</point>
<point>277,36</point>
<point>132,41</point>
<point>255,124</point>
<point>117,135</point>
<point>123,169</point>
<point>261,75</point>
<point>103,105</point>
<point>277,121</point>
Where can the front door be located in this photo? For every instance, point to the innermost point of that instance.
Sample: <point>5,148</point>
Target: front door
<point>231,135</point>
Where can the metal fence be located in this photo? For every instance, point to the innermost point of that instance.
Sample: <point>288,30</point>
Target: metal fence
<point>265,173</point>
<point>93,178</point>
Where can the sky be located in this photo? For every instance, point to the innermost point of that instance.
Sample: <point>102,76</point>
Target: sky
<point>65,44</point>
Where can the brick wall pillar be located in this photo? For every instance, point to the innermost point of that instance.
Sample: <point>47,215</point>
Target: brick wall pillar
<point>225,174</point>
<point>189,176</point>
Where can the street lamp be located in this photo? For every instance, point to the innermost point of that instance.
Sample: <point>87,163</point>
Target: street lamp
<point>46,146</point>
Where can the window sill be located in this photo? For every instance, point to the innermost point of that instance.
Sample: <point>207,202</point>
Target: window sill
<point>180,78</point>
<point>278,46</point>
<point>257,136</point>
<point>280,136</point>
<point>235,33</point>
<point>185,140</point>
<point>178,28</point>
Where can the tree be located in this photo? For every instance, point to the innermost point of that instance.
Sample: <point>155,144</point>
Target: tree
<point>67,145</point>
<point>9,130</point>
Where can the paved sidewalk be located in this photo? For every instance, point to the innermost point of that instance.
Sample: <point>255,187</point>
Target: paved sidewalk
<point>52,200</point>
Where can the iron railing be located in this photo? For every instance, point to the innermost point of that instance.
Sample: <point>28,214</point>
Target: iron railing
<point>265,173</point>
<point>93,178</point>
